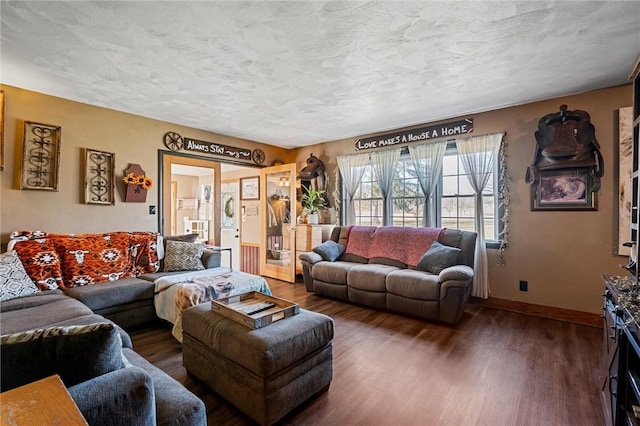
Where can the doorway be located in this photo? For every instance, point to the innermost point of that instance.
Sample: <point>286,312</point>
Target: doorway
<point>192,200</point>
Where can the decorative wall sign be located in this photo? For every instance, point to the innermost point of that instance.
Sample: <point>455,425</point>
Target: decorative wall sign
<point>416,135</point>
<point>564,190</point>
<point>625,189</point>
<point>250,188</point>
<point>40,156</point>
<point>175,142</point>
<point>137,183</point>
<point>99,177</point>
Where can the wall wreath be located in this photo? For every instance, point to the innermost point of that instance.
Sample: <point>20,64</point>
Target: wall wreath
<point>228,207</point>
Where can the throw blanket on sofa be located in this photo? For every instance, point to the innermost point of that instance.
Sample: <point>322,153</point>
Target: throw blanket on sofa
<point>175,293</point>
<point>406,245</point>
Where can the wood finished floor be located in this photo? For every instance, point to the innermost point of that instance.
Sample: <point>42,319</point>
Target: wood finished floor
<point>494,368</point>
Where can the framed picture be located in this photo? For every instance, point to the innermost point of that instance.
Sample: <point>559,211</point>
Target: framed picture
<point>40,157</point>
<point>99,177</point>
<point>564,190</point>
<point>250,188</point>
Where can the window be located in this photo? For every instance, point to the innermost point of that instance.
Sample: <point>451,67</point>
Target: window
<point>454,198</point>
<point>368,200</point>
<point>457,200</point>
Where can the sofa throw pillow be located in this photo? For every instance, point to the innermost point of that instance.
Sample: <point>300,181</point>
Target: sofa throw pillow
<point>329,250</point>
<point>14,281</point>
<point>438,257</point>
<point>77,353</point>
<point>41,261</point>
<point>181,256</point>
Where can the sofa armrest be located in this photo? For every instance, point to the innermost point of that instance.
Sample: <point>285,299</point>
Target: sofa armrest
<point>122,397</point>
<point>310,257</point>
<point>456,273</point>
<point>211,258</point>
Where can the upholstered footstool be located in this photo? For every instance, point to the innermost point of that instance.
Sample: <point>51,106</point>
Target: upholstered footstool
<point>266,372</point>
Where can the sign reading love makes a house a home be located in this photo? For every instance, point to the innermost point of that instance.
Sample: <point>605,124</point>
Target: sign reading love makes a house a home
<point>415,135</point>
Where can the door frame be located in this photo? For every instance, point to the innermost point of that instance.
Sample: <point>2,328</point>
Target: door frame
<point>166,159</point>
<point>274,271</point>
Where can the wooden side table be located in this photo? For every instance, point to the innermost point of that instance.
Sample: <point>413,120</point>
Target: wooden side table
<point>43,402</point>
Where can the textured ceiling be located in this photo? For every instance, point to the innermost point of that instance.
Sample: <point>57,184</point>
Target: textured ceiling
<point>293,73</point>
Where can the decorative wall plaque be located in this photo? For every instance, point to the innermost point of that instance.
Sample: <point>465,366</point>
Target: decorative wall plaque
<point>40,156</point>
<point>99,177</point>
<point>175,142</point>
<point>137,183</point>
<point>451,128</point>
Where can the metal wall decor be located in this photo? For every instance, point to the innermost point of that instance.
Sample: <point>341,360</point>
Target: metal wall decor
<point>99,177</point>
<point>40,157</point>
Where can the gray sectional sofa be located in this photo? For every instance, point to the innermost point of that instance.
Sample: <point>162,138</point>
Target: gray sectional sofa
<point>131,391</point>
<point>430,289</point>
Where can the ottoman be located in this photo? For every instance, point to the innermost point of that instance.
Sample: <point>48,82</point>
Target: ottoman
<point>266,372</point>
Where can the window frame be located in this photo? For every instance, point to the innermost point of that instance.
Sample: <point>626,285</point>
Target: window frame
<point>494,241</point>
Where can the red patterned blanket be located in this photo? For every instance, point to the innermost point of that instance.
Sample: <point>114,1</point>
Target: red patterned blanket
<point>403,244</point>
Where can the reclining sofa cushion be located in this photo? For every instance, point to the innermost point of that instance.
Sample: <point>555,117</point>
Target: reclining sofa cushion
<point>48,309</point>
<point>14,281</point>
<point>333,272</point>
<point>370,277</point>
<point>77,353</point>
<point>414,284</point>
<point>120,292</point>
<point>438,257</point>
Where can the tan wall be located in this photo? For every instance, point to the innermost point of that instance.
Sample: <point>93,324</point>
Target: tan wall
<point>132,138</point>
<point>560,254</point>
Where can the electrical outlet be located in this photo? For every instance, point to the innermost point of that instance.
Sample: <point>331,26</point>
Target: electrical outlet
<point>524,286</point>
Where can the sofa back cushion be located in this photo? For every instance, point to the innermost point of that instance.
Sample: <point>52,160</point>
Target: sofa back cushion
<point>94,258</point>
<point>68,260</point>
<point>76,353</point>
<point>400,244</point>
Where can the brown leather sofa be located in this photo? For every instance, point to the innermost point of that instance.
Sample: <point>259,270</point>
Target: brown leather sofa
<point>385,283</point>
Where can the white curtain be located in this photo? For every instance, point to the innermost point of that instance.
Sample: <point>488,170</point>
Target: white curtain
<point>478,155</point>
<point>384,164</point>
<point>427,161</point>
<point>352,168</point>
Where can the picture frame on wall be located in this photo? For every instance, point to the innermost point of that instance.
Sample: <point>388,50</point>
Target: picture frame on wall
<point>564,190</point>
<point>40,168</point>
<point>99,177</point>
<point>250,188</point>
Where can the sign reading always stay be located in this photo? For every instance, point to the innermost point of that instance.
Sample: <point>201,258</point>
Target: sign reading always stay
<point>415,135</point>
<point>214,148</point>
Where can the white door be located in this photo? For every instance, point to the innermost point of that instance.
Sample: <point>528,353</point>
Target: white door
<point>230,223</point>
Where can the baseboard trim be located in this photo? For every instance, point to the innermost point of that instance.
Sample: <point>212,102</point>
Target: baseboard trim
<point>560,314</point>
